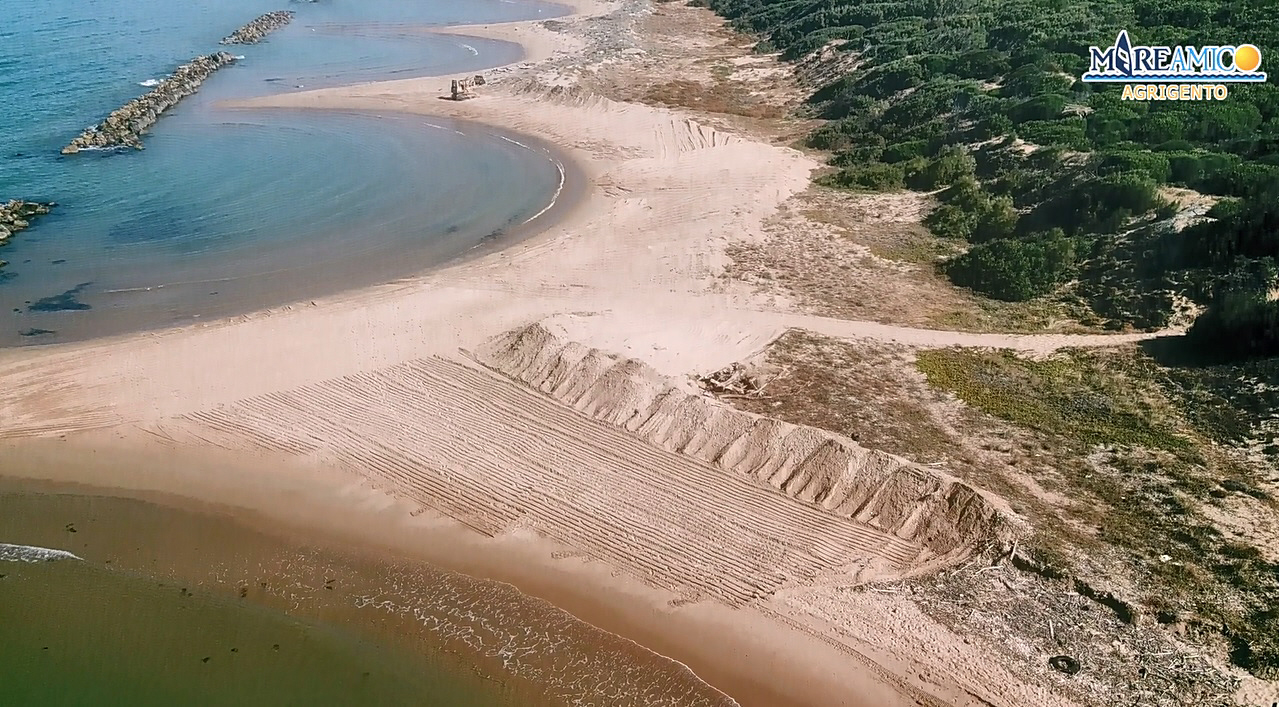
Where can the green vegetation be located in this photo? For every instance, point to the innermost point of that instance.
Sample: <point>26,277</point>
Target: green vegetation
<point>1124,467</point>
<point>1068,396</point>
<point>1055,181</point>
<point>1128,441</point>
<point>1052,188</point>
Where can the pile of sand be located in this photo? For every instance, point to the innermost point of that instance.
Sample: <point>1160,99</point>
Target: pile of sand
<point>940,512</point>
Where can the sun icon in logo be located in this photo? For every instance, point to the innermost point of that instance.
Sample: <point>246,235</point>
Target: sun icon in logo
<point>1247,58</point>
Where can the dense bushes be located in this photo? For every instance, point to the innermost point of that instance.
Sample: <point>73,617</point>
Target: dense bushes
<point>1248,230</point>
<point>1238,325</point>
<point>970,213</point>
<point>872,177</point>
<point>983,95</point>
<point>1015,270</point>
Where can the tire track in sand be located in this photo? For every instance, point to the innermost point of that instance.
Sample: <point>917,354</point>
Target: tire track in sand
<point>495,455</point>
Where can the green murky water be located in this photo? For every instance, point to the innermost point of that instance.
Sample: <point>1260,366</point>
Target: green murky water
<point>75,634</point>
<point>199,605</point>
<point>169,607</point>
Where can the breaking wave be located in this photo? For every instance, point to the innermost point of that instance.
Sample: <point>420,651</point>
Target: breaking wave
<point>31,553</point>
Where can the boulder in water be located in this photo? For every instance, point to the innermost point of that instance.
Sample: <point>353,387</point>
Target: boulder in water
<point>125,125</point>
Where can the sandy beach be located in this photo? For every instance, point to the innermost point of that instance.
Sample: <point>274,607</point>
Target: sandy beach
<point>528,415</point>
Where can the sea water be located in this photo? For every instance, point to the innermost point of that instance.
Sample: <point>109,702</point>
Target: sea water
<point>95,638</point>
<point>117,601</point>
<point>226,210</point>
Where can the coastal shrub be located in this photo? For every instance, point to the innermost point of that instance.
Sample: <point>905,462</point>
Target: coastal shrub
<point>1184,167</point>
<point>1218,121</point>
<point>805,45</point>
<point>843,134</point>
<point>1158,128</point>
<point>980,64</point>
<point>1153,164</point>
<point>889,79</point>
<point>1098,205</point>
<point>872,177</point>
<point>1238,325</point>
<point>1015,270</point>
<point>1239,229</point>
<point>948,167</point>
<point>996,219</point>
<point>992,127</point>
<point>1063,132</point>
<point>1047,106</point>
<point>929,103</point>
<point>1133,191</point>
<point>1251,179</point>
<point>859,155</point>
<point>903,151</point>
<point>951,221</point>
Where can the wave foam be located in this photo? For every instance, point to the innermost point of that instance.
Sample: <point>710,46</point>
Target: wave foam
<point>149,83</point>
<point>31,553</point>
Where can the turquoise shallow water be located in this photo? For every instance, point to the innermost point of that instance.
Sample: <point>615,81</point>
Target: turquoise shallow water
<point>226,211</point>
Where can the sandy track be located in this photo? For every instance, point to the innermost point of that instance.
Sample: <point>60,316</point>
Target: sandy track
<point>497,456</point>
<point>632,269</point>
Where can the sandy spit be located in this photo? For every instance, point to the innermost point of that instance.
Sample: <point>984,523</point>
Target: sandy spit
<point>360,414</point>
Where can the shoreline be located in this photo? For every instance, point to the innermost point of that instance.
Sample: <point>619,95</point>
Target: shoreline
<point>117,321</point>
<point>633,270</point>
<point>566,197</point>
<point>343,513</point>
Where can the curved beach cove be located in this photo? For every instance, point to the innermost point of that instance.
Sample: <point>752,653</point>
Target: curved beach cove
<point>228,211</point>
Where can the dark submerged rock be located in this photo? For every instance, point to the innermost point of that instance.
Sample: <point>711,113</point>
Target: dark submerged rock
<point>65,302</point>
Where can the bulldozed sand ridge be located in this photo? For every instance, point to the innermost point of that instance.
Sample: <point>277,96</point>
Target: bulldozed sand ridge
<point>608,457</point>
<point>947,518</point>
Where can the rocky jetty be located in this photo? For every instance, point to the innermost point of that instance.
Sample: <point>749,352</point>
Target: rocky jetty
<point>125,125</point>
<point>253,32</point>
<point>16,215</point>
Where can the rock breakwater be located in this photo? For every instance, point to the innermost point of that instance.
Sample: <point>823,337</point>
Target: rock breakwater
<point>124,126</point>
<point>259,28</point>
<point>16,215</point>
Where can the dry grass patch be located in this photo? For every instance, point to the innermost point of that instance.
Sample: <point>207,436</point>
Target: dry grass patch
<point>866,256</point>
<point>1124,487</point>
<point>872,392</point>
<point>694,61</point>
<point>720,96</point>
<point>1153,482</point>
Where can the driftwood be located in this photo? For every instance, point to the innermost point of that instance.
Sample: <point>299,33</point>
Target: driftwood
<point>732,380</point>
<point>465,88</point>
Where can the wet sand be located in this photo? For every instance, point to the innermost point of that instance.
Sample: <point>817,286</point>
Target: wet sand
<point>342,517</point>
<point>459,628</point>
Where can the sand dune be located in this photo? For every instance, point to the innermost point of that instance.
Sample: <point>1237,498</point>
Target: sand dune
<point>942,514</point>
<point>629,268</point>
<point>498,456</point>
